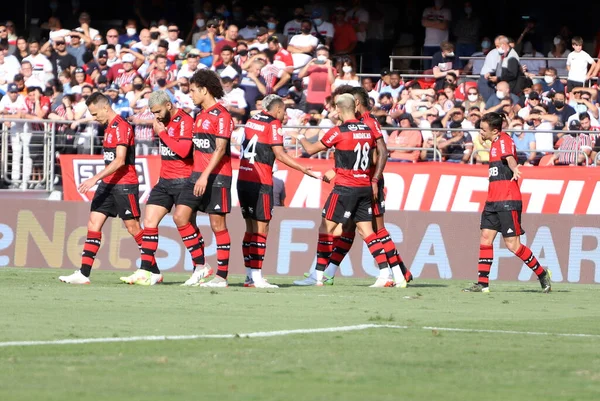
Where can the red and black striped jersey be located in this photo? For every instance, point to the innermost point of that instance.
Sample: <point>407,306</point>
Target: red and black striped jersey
<point>120,133</point>
<point>262,132</point>
<point>212,123</point>
<point>176,147</point>
<point>374,125</point>
<point>354,143</point>
<point>503,193</point>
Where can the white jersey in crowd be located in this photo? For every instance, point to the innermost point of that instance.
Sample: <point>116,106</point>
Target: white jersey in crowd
<point>578,62</point>
<point>41,66</point>
<point>236,98</point>
<point>434,36</point>
<point>301,59</point>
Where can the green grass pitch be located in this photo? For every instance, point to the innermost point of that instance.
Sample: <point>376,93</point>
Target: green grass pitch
<point>410,363</point>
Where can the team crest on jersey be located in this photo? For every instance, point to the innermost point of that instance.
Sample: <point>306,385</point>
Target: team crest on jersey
<point>109,139</point>
<point>352,127</point>
<point>171,131</point>
<point>493,152</point>
<point>206,124</point>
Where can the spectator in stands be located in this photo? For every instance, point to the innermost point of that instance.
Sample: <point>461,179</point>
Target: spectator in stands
<point>524,142</point>
<point>508,68</point>
<point>481,148</point>
<point>443,104</point>
<point>445,62</point>
<point>578,62</point>
<point>346,74</point>
<point>577,147</point>
<point>227,64</point>
<point>436,21</point>
<point>303,45</point>
<point>139,90</point>
<point>386,102</point>
<point>474,99</point>
<point>532,102</point>
<point>322,29</point>
<point>112,39</point>
<point>435,136</point>
<point>206,43</point>
<point>79,45</point>
<point>37,108</point>
<point>458,145</point>
<point>559,50</point>
<point>191,65</point>
<point>182,96</point>
<point>367,84</point>
<point>396,85</point>
<point>466,31</point>
<point>408,137</point>
<point>260,43</point>
<point>272,30</point>
<point>249,32</point>
<point>560,108</point>
<point>118,102</point>
<point>198,29</point>
<point>22,49</point>
<point>230,39</point>
<point>551,81</point>
<point>582,103</point>
<point>174,42</point>
<point>486,86</point>
<point>533,68</point>
<point>475,66</point>
<point>7,70</point>
<point>13,105</point>
<point>41,67</point>
<point>294,26</point>
<point>322,75</point>
<point>282,59</point>
<point>234,100</point>
<point>543,123</point>
<point>130,36</point>
<point>344,37</point>
<point>503,92</point>
<point>253,84</point>
<point>144,134</point>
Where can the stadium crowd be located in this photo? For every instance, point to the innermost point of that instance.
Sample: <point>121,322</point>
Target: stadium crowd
<point>303,60</point>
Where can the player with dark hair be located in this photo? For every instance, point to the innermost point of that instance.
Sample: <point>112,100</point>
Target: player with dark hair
<point>502,211</point>
<point>209,187</point>
<point>117,192</point>
<point>356,185</point>
<point>262,143</point>
<point>176,168</point>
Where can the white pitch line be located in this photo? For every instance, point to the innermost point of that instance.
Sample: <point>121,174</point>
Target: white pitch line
<point>278,333</point>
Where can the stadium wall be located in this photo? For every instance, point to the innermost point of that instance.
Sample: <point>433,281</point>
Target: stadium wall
<point>434,244</point>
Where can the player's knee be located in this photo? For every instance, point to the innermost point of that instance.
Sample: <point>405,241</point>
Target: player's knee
<point>218,225</point>
<point>179,219</point>
<point>512,245</point>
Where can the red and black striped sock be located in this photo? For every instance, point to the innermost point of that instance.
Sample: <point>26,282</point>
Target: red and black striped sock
<point>258,248</point>
<point>189,236</point>
<point>341,247</point>
<point>388,247</point>
<point>246,249</point>
<point>324,250</point>
<point>223,249</point>
<point>376,250</point>
<point>149,247</point>
<point>90,249</point>
<point>486,257</point>
<point>530,260</point>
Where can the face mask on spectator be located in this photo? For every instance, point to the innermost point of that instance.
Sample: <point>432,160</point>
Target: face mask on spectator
<point>386,107</point>
<point>154,35</point>
<point>85,97</point>
<point>451,54</point>
<point>347,69</point>
<point>138,87</point>
<point>580,108</point>
<point>486,44</point>
<point>556,41</point>
<point>322,58</point>
<point>131,31</point>
<point>559,104</point>
<point>500,50</point>
<point>472,98</point>
<point>161,82</point>
<point>243,53</point>
<point>318,21</point>
<point>271,25</point>
<point>500,95</point>
<point>548,79</point>
<point>200,23</point>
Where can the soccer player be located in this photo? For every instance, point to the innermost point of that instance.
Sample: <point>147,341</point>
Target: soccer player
<point>117,192</point>
<point>356,186</point>
<point>262,144</point>
<point>502,211</point>
<point>209,188</point>
<point>176,167</point>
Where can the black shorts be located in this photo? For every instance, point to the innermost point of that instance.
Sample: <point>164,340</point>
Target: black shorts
<point>379,204</point>
<point>345,203</point>
<point>215,200</point>
<point>115,200</point>
<point>256,200</point>
<point>507,223</point>
<point>166,193</point>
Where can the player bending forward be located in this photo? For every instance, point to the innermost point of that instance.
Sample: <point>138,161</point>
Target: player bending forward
<point>117,193</point>
<point>209,187</point>
<point>262,144</point>
<point>355,187</point>
<point>176,167</point>
<point>502,212</point>
<point>397,274</point>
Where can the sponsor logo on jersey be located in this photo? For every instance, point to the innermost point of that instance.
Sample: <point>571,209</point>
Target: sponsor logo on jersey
<point>166,151</point>
<point>352,127</point>
<point>201,143</point>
